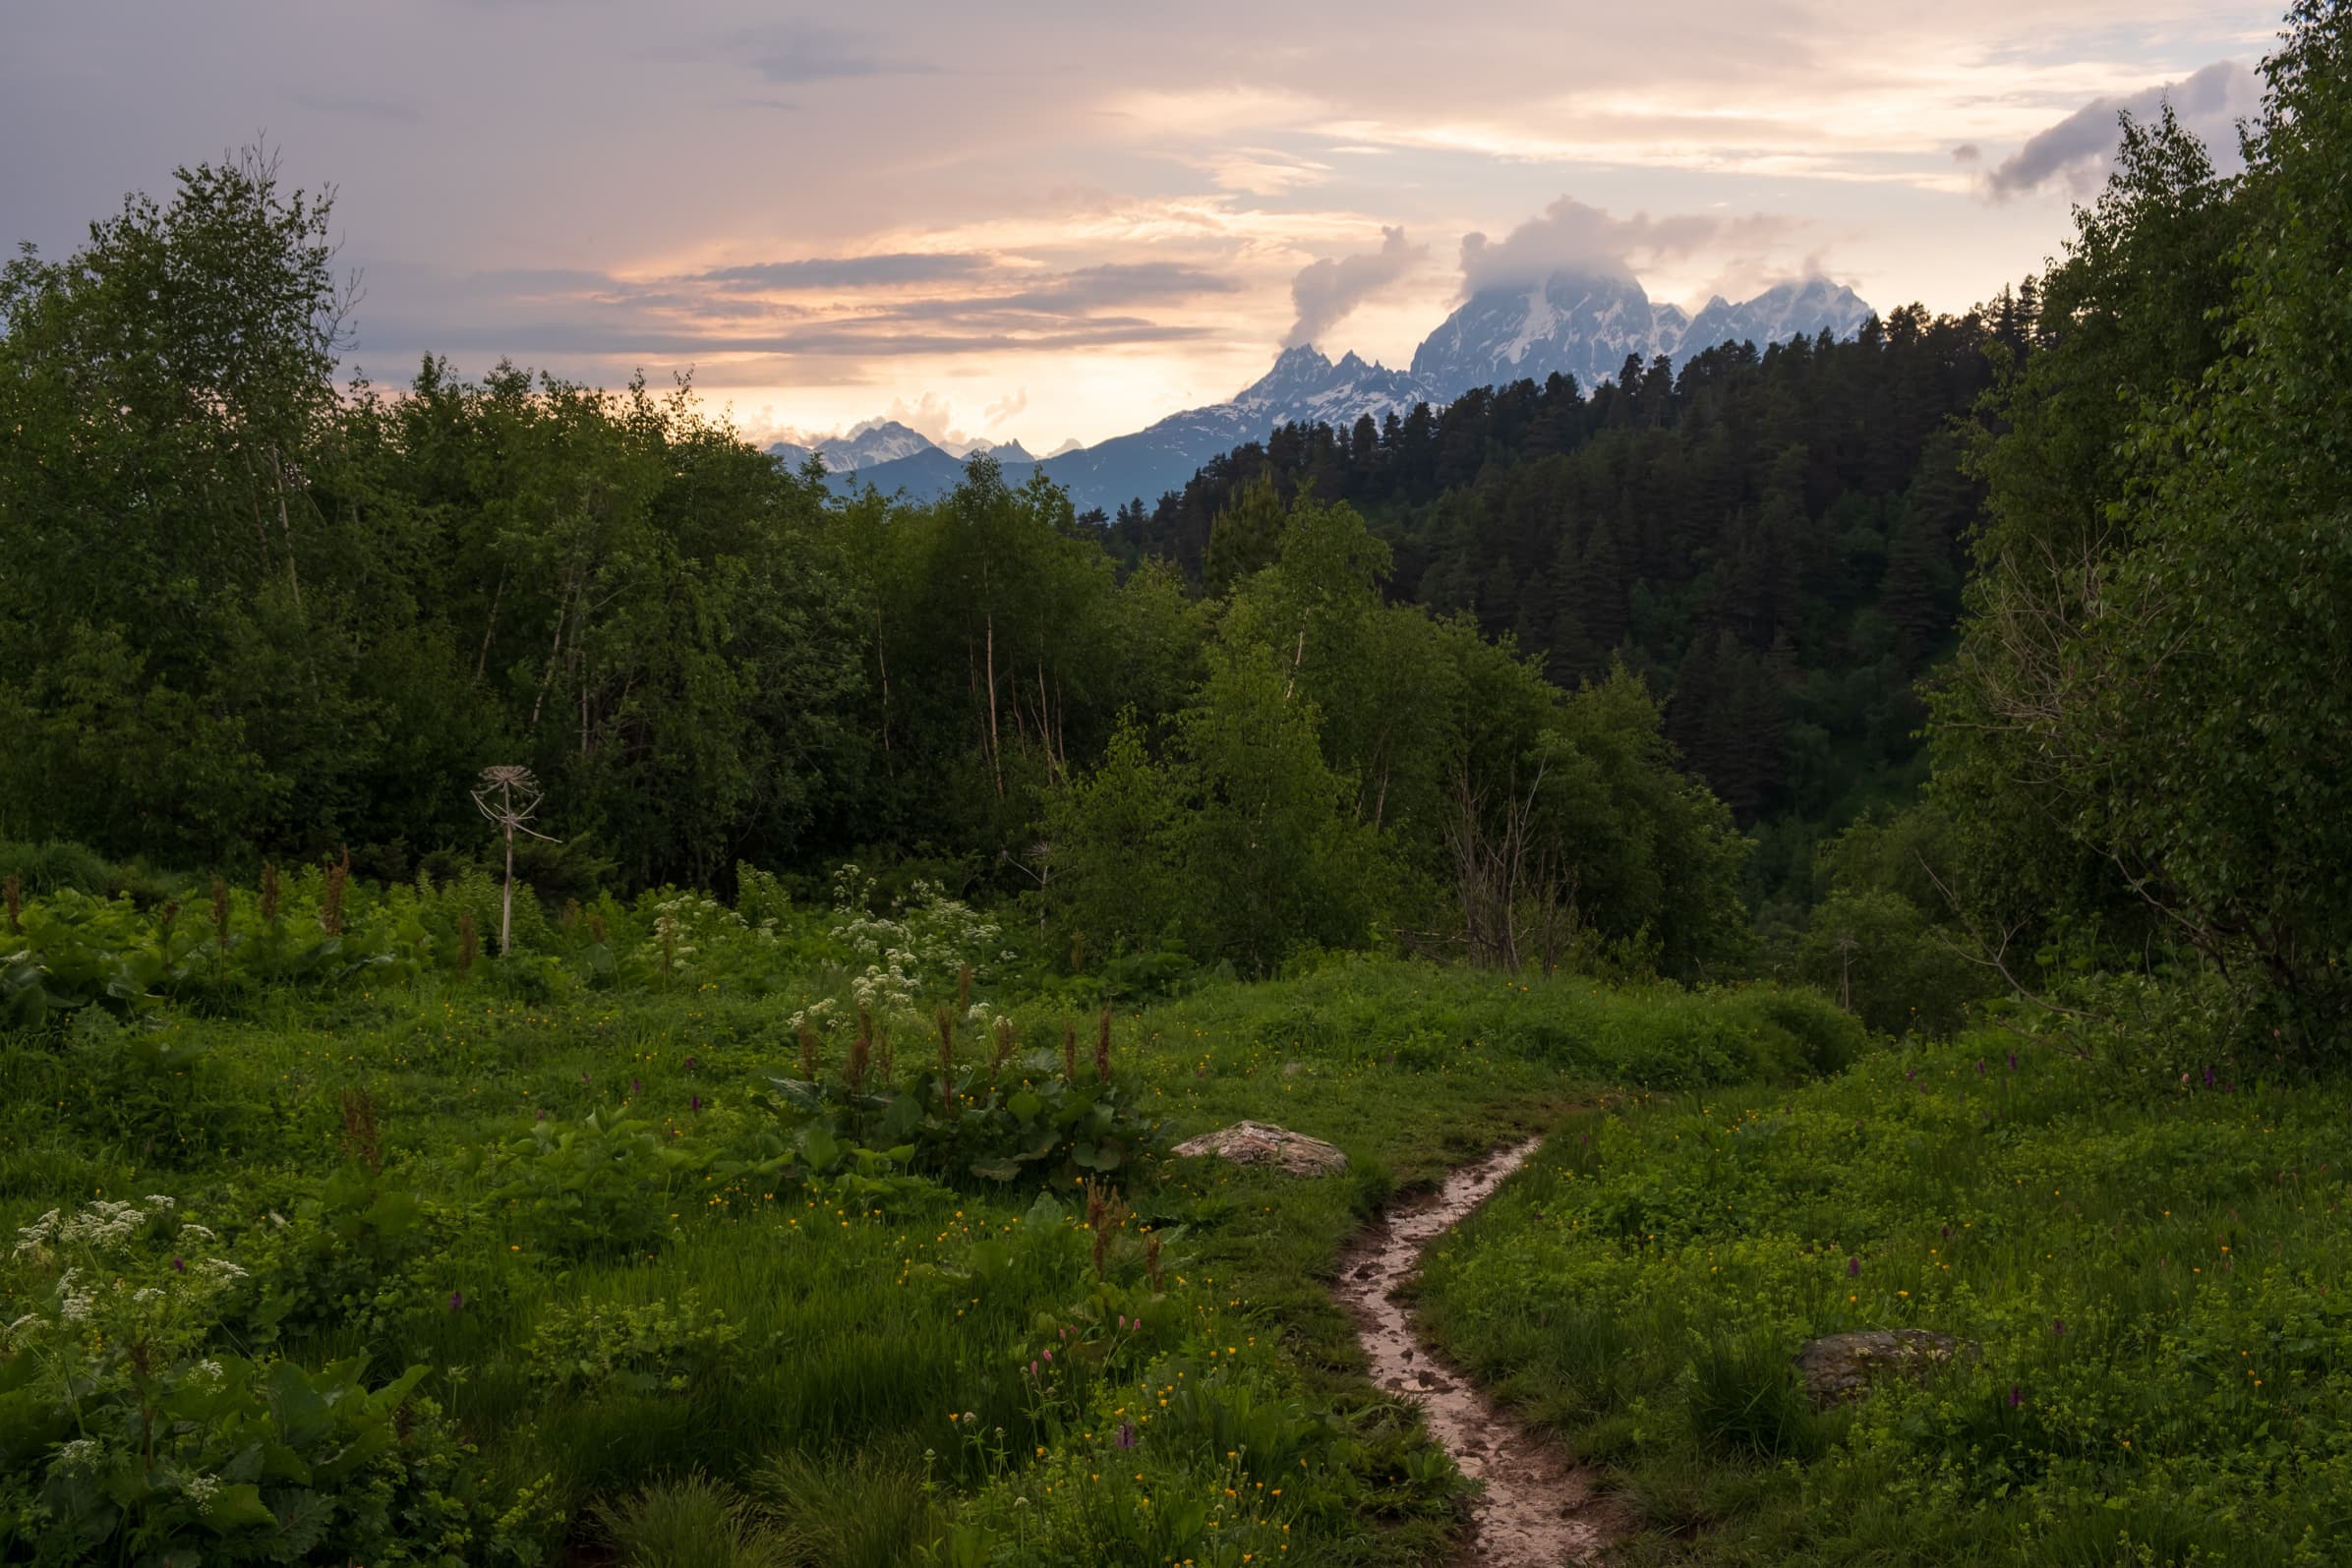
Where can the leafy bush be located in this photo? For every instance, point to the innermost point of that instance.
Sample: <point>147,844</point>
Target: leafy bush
<point>602,1184</point>
<point>57,866</point>
<point>129,1430</point>
<point>1875,952</point>
<point>1024,1119</point>
<point>641,1348</point>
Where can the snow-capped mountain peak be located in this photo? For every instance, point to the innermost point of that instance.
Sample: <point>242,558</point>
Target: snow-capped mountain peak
<point>867,445</point>
<point>1585,325</point>
<point>1582,325</point>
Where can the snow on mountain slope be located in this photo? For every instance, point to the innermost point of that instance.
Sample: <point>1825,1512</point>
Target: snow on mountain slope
<point>1303,387</point>
<point>1575,323</point>
<point>867,445</point>
<point>1585,325</point>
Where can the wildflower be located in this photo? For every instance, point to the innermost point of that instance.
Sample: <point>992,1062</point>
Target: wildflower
<point>1980,1067</point>
<point>2058,1326</point>
<point>2017,1396</point>
<point>179,1265</point>
<point>636,1086</point>
<point>457,1301</point>
<point>2013,1061</point>
<point>1853,1268</point>
<point>698,1104</point>
<point>1127,1435</point>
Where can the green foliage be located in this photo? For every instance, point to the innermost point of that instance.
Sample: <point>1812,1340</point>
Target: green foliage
<point>56,866</point>
<point>602,1186</point>
<point>654,1347</point>
<point>121,1425</point>
<point>1878,954</point>
<point>2135,737</point>
<point>2129,1237</point>
<point>690,1522</point>
<point>1013,1121</point>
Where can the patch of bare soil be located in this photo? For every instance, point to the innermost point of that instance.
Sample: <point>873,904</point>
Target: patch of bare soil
<point>1538,1510</point>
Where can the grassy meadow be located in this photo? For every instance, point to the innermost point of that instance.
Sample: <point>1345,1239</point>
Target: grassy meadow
<point>679,1238</point>
<point>2140,1256</point>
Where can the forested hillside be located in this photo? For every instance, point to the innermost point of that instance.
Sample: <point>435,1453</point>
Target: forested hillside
<point>1773,541</point>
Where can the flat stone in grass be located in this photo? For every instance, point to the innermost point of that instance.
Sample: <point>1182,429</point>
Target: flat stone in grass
<point>1263,1144</point>
<point>1843,1366</point>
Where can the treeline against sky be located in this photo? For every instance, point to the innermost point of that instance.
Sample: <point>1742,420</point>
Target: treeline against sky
<point>2040,605</point>
<point>251,611</point>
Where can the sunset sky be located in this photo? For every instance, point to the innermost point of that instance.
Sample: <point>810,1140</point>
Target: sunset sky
<point>1056,221</point>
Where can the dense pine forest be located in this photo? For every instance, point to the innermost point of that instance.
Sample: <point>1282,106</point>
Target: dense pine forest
<point>570,995</point>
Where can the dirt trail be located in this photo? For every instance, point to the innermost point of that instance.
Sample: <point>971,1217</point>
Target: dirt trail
<point>1538,1510</point>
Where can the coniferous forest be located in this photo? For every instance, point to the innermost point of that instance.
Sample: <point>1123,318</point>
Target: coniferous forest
<point>571,995</point>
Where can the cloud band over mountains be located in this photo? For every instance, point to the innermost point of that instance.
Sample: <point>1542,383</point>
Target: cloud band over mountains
<point>1572,236</point>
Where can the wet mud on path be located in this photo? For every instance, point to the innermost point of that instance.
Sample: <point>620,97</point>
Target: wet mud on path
<point>1538,1510</point>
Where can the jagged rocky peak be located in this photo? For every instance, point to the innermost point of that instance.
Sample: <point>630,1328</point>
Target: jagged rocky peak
<point>1585,323</point>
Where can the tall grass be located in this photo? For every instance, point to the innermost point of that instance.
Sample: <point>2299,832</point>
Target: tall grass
<point>2144,1270</point>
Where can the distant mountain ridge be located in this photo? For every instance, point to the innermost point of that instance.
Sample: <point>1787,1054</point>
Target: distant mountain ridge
<point>1585,325</point>
<point>1573,323</point>
<point>870,445</point>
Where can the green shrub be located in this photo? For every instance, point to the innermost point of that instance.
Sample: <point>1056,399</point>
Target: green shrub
<point>639,1348</point>
<point>57,866</point>
<point>131,1428</point>
<point>1875,950</point>
<point>602,1184</point>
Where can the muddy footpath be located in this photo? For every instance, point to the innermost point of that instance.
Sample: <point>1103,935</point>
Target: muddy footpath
<point>1538,1510</point>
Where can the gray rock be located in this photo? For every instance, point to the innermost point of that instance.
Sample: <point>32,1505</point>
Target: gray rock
<point>1263,1144</point>
<point>1843,1366</point>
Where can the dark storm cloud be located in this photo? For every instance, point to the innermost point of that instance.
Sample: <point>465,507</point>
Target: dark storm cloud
<point>2076,151</point>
